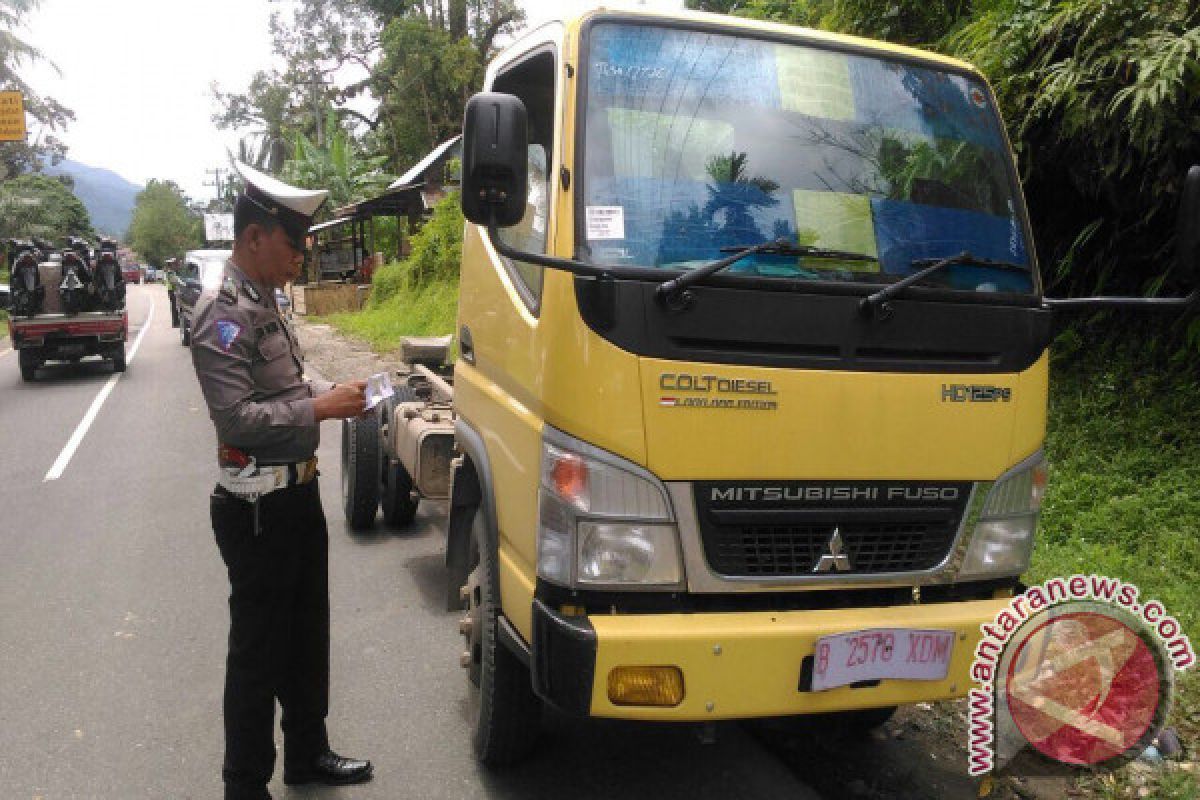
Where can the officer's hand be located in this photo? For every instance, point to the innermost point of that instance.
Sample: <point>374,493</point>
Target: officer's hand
<point>342,402</point>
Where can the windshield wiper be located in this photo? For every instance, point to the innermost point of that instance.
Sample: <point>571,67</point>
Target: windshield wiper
<point>673,293</point>
<point>876,305</point>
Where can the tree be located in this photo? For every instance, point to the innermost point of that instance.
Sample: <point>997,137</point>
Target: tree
<point>1100,100</point>
<point>162,225</point>
<point>42,206</point>
<point>339,166</point>
<point>51,116</point>
<point>422,59</point>
<point>267,111</point>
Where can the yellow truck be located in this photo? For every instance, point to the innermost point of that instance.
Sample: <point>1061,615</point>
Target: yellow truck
<point>750,401</point>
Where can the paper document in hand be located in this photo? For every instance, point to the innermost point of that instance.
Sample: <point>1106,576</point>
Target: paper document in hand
<point>379,388</point>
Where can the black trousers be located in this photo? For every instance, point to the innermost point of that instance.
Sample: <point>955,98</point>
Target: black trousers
<point>278,632</point>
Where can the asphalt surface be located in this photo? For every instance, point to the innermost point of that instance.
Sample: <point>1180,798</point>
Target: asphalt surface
<point>113,620</point>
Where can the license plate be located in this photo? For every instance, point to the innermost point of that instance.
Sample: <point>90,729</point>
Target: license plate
<point>881,654</point>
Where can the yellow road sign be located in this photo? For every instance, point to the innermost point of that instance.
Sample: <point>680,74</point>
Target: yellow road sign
<point>12,117</point>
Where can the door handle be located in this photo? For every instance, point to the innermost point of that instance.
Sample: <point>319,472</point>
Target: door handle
<point>466,348</point>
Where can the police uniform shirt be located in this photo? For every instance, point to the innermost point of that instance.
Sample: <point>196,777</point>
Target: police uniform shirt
<point>250,368</point>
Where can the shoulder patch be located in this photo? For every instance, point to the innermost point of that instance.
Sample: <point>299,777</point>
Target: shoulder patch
<point>227,333</point>
<point>251,292</point>
<point>228,291</point>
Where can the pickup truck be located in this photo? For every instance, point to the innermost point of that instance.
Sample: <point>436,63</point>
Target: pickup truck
<point>69,337</point>
<point>52,320</point>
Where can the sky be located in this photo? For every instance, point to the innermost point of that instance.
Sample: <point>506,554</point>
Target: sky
<point>137,74</point>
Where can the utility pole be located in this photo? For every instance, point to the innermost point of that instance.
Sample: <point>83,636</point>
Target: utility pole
<point>216,182</point>
<point>317,113</point>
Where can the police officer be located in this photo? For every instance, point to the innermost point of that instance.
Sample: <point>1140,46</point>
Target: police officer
<point>266,509</point>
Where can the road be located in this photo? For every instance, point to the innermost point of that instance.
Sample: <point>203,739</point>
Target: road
<point>113,620</point>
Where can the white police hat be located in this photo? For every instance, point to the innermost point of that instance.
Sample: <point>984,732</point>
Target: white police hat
<point>292,206</point>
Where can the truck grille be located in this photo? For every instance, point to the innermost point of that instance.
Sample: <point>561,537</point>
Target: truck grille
<point>880,530</point>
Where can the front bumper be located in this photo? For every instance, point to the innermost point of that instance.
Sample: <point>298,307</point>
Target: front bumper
<point>736,664</point>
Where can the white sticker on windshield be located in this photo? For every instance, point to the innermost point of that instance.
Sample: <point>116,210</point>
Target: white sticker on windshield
<point>605,222</point>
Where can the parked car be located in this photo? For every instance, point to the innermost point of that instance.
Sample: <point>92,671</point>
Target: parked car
<point>201,269</point>
<point>5,297</point>
<point>131,273</point>
<point>151,273</point>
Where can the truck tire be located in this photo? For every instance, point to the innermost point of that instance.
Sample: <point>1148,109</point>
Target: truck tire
<point>395,484</point>
<point>118,359</point>
<point>360,470</point>
<point>29,362</point>
<point>503,710</point>
<point>185,332</point>
<point>174,310</point>
<point>395,495</point>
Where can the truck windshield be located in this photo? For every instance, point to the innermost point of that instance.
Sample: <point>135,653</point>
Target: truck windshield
<point>697,141</point>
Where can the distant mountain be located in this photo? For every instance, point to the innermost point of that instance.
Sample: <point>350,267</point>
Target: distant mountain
<point>108,197</point>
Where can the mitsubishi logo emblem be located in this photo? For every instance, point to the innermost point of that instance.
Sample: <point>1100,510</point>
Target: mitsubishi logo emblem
<point>835,559</point>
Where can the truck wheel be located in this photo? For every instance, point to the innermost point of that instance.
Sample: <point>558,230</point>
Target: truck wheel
<point>174,310</point>
<point>360,470</point>
<point>504,712</point>
<point>29,365</point>
<point>395,484</point>
<point>395,492</point>
<point>185,332</point>
<point>118,359</point>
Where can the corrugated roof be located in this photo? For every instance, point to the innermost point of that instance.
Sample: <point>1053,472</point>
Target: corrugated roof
<point>331,223</point>
<point>413,176</point>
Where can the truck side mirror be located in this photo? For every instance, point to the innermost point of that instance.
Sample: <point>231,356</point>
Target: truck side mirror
<point>1187,256</point>
<point>495,167</point>
<point>1187,228</point>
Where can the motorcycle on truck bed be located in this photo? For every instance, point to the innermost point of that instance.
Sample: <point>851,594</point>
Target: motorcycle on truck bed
<point>64,308</point>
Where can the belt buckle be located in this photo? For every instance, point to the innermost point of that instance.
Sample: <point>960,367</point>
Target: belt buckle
<point>306,470</point>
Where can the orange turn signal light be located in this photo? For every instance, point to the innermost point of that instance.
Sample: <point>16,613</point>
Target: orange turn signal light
<point>569,474</point>
<point>645,686</point>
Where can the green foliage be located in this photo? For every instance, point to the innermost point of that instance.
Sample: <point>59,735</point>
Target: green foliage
<point>50,115</point>
<point>162,226</point>
<point>437,247</point>
<point>1100,99</point>
<point>339,166</point>
<point>1124,494</point>
<point>422,59</point>
<point>267,110</point>
<point>417,296</point>
<point>408,310</point>
<point>424,77</point>
<point>39,205</point>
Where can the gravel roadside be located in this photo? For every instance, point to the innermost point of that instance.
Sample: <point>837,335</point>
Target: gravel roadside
<point>338,357</point>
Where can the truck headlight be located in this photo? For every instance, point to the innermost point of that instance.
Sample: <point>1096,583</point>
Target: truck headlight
<point>603,521</point>
<point>1002,542</point>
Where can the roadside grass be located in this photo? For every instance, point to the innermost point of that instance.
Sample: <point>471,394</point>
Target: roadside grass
<point>428,310</point>
<point>1123,444</point>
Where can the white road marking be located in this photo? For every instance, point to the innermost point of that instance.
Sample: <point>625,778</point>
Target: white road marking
<point>64,457</point>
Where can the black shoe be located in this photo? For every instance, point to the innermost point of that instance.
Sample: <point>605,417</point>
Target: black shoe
<point>328,768</point>
<point>236,793</point>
